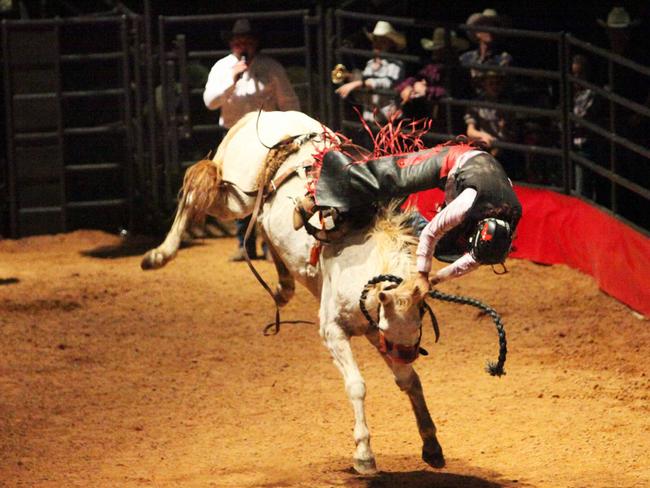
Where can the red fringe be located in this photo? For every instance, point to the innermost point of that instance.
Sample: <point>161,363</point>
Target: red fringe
<point>396,136</point>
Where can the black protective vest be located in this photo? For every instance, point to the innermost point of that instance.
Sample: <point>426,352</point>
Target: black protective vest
<point>495,195</point>
<point>494,198</point>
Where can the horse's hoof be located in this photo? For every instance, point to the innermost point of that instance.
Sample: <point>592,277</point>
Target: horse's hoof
<point>365,466</point>
<point>432,455</point>
<point>283,295</point>
<point>152,260</point>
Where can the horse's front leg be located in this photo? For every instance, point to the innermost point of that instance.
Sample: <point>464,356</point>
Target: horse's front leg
<point>409,382</point>
<point>338,343</point>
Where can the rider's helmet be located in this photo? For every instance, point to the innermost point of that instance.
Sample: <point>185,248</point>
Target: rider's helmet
<point>490,243</point>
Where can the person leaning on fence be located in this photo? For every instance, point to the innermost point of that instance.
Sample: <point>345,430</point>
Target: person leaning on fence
<point>247,80</point>
<point>475,227</point>
<point>628,38</point>
<point>589,107</point>
<point>489,124</point>
<point>488,52</point>
<point>381,73</point>
<point>419,93</point>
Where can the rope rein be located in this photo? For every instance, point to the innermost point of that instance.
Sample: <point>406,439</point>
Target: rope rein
<point>494,369</point>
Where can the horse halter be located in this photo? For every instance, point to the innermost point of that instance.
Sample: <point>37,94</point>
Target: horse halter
<point>396,352</point>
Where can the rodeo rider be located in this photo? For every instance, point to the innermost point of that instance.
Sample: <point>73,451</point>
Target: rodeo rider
<point>480,214</point>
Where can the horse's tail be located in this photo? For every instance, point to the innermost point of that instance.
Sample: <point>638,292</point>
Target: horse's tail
<point>200,190</point>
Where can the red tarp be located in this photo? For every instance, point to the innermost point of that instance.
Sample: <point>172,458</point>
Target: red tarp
<point>556,228</point>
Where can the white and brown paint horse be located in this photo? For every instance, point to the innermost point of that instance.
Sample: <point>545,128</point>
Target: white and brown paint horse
<point>219,187</point>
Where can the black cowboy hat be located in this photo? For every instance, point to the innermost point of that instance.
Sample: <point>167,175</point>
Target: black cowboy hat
<point>489,18</point>
<point>240,27</point>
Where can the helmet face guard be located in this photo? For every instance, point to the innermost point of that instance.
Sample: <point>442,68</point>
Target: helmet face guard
<point>491,241</point>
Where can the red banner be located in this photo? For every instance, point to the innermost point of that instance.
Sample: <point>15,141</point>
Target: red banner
<point>556,229</point>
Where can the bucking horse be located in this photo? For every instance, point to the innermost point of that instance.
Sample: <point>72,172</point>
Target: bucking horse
<point>254,171</point>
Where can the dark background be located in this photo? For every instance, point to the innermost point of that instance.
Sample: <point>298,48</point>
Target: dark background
<point>578,18</point>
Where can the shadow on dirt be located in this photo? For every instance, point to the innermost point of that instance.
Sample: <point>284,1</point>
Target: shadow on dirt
<point>132,246</point>
<point>9,281</point>
<point>424,479</point>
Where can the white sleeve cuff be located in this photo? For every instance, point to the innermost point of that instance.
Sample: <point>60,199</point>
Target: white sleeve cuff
<point>424,264</point>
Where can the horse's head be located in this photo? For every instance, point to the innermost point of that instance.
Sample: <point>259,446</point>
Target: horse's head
<point>400,321</point>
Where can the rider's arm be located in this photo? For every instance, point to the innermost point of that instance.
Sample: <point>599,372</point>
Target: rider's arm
<point>448,218</point>
<point>461,266</point>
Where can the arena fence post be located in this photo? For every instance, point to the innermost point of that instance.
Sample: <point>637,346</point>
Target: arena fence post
<point>565,106</point>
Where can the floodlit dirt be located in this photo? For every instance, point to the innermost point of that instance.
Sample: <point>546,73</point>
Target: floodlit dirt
<point>111,376</point>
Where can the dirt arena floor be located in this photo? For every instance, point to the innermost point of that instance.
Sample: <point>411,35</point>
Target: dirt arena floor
<point>115,377</point>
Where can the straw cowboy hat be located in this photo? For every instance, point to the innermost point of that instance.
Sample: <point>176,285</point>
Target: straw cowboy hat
<point>437,41</point>
<point>618,18</point>
<point>241,27</point>
<point>489,17</point>
<point>385,29</point>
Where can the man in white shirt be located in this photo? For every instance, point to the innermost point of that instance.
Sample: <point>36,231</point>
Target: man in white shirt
<point>246,81</point>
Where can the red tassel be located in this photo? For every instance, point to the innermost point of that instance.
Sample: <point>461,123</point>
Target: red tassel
<point>314,254</point>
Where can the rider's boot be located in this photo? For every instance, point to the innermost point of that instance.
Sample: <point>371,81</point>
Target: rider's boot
<point>303,211</point>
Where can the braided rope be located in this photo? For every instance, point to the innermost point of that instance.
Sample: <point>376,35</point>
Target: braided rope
<point>495,369</point>
<point>366,289</point>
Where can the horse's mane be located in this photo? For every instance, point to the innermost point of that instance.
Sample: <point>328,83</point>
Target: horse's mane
<point>396,242</point>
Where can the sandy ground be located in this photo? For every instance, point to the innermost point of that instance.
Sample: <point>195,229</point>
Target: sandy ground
<point>111,376</point>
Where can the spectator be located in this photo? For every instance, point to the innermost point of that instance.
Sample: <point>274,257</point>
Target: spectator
<point>490,124</point>
<point>381,73</point>
<point>419,94</point>
<point>622,32</point>
<point>488,51</point>
<point>620,29</point>
<point>585,106</point>
<point>247,80</point>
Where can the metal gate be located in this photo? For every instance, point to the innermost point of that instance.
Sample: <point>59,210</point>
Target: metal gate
<point>99,133</point>
<point>68,165</point>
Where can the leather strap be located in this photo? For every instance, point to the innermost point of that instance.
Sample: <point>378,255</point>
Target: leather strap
<point>263,192</point>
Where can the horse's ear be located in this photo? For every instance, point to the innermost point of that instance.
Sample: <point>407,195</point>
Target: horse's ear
<point>416,294</point>
<point>385,298</point>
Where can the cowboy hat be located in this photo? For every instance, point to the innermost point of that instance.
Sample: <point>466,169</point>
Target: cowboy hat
<point>489,17</point>
<point>618,18</point>
<point>241,27</point>
<point>438,41</point>
<point>385,29</point>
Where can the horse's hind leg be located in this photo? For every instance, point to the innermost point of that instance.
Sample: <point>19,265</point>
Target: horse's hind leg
<point>338,344</point>
<point>159,256</point>
<point>409,382</point>
<point>286,286</point>
<point>198,197</point>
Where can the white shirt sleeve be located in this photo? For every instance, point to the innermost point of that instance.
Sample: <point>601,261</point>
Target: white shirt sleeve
<point>461,266</point>
<point>448,218</point>
<point>220,84</point>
